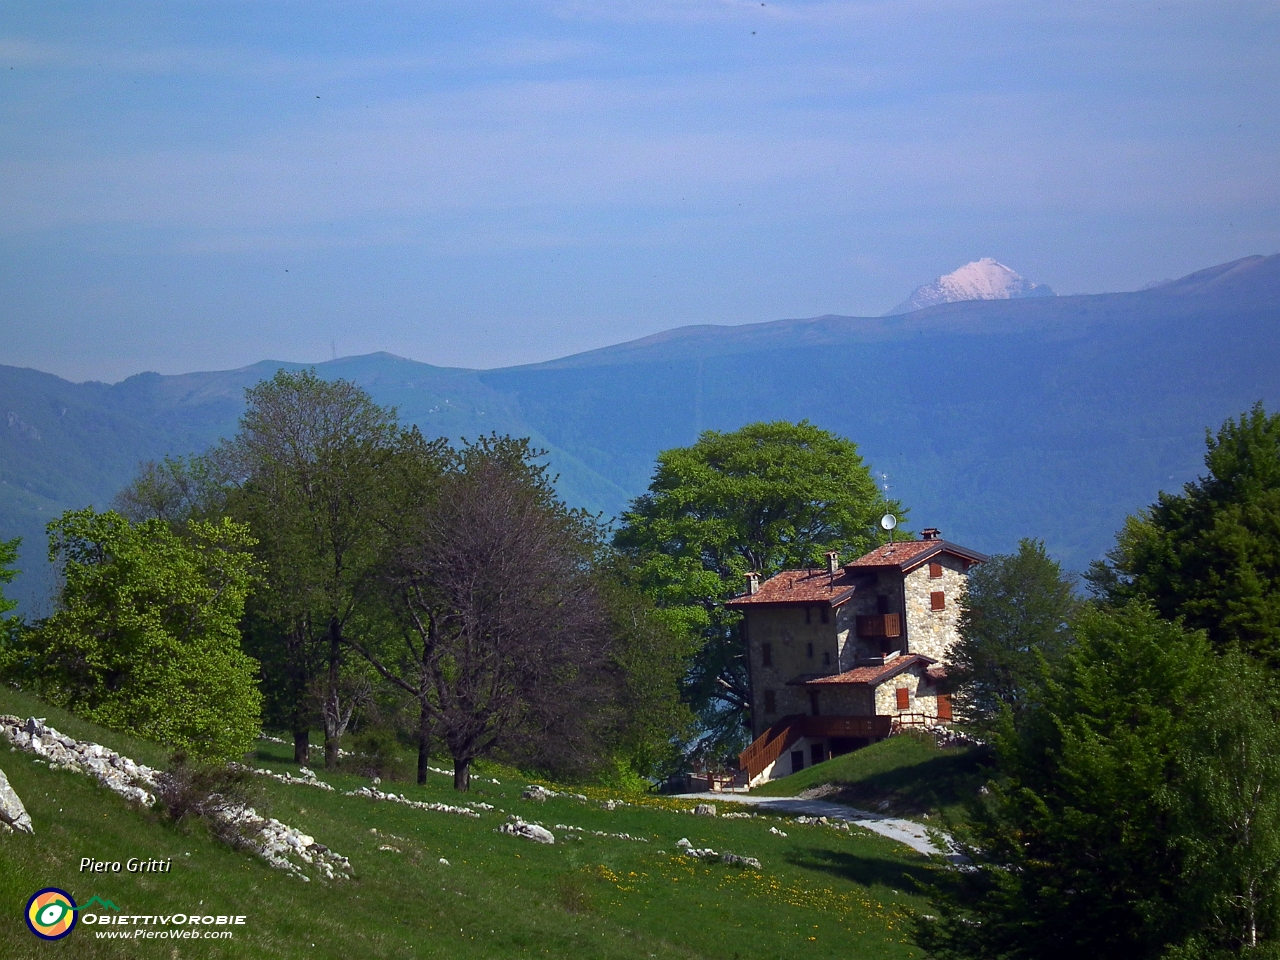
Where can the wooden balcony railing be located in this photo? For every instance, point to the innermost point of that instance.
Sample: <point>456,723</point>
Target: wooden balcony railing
<point>880,625</point>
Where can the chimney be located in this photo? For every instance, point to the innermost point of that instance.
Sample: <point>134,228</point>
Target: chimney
<point>931,533</point>
<point>833,562</point>
<point>753,583</point>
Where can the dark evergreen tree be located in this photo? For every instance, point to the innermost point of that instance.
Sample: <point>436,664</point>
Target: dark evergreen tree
<point>1211,554</point>
<point>1016,613</point>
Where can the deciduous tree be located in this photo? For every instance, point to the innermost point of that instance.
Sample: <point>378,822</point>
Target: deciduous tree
<point>506,640</point>
<point>307,466</point>
<point>146,636</point>
<point>8,554</point>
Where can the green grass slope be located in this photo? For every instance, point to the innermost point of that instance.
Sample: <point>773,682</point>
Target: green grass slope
<point>906,775</point>
<point>821,893</point>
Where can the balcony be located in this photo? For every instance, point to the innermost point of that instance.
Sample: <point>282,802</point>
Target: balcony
<point>881,626</point>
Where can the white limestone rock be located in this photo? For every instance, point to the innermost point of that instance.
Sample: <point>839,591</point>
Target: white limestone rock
<point>272,840</point>
<point>13,815</point>
<point>530,831</point>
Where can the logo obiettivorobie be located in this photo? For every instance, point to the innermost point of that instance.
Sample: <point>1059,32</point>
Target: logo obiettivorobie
<point>51,913</point>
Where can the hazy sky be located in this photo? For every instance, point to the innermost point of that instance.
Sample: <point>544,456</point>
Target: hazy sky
<point>192,185</point>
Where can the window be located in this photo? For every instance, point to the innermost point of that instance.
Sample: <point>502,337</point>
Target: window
<point>808,650</point>
<point>944,706</point>
<point>813,701</point>
<point>808,615</point>
<point>770,702</point>
<point>937,600</point>
<point>818,753</point>
<point>904,698</point>
<point>824,614</point>
<point>935,570</point>
<point>882,604</point>
<point>797,761</point>
<point>826,658</point>
<point>766,654</point>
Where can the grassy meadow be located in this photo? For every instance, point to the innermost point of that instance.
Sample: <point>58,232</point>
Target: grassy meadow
<point>907,775</point>
<point>821,892</point>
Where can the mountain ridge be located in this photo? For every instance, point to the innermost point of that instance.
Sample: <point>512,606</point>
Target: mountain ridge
<point>1050,417</point>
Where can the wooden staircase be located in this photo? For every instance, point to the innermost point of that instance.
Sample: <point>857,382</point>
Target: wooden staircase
<point>780,737</point>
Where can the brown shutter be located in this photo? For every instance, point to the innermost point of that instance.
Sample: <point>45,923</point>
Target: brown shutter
<point>935,570</point>
<point>944,706</point>
<point>937,600</point>
<point>904,698</point>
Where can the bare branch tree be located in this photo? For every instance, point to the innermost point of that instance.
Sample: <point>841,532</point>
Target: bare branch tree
<point>506,637</point>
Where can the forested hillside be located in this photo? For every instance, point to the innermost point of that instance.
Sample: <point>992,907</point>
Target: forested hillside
<point>1050,417</point>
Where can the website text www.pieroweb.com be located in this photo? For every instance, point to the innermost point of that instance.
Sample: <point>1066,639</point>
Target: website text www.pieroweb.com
<point>176,926</point>
<point>53,914</point>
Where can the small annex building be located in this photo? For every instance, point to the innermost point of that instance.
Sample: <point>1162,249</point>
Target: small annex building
<point>839,657</point>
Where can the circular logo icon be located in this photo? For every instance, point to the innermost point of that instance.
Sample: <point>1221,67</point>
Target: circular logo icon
<point>51,913</point>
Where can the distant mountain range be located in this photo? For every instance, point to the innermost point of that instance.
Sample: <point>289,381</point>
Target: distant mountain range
<point>984,279</point>
<point>995,419</point>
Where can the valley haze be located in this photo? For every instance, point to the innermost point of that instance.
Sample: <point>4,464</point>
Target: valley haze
<point>1045,416</point>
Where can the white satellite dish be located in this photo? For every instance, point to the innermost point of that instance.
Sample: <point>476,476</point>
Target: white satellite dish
<point>888,521</point>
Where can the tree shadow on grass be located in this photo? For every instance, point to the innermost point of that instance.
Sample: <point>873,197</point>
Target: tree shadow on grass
<point>940,782</point>
<point>865,871</point>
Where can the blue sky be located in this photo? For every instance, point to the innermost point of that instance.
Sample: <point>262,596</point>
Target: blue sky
<point>203,185</point>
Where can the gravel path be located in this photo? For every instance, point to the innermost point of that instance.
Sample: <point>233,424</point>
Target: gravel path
<point>895,828</point>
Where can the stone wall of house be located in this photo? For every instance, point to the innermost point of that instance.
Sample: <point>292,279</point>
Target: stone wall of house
<point>844,700</point>
<point>799,644</point>
<point>923,694</point>
<point>865,602</point>
<point>933,632</point>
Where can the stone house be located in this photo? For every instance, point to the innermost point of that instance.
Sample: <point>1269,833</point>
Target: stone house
<point>839,656</point>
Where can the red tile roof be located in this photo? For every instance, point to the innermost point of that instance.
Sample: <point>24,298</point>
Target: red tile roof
<point>800,586</point>
<point>910,554</point>
<point>873,675</point>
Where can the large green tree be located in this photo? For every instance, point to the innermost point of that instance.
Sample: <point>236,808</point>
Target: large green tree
<point>146,635</point>
<point>1211,554</point>
<point>307,468</point>
<point>763,498</point>
<point>1017,612</point>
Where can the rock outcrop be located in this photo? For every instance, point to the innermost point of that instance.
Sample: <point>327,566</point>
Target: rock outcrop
<point>13,815</point>
<point>277,843</point>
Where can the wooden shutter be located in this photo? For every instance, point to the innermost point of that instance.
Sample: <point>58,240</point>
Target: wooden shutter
<point>935,570</point>
<point>944,706</point>
<point>766,654</point>
<point>937,600</point>
<point>904,698</point>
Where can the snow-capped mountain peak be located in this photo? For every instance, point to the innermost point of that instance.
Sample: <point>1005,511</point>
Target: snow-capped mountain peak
<point>984,279</point>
